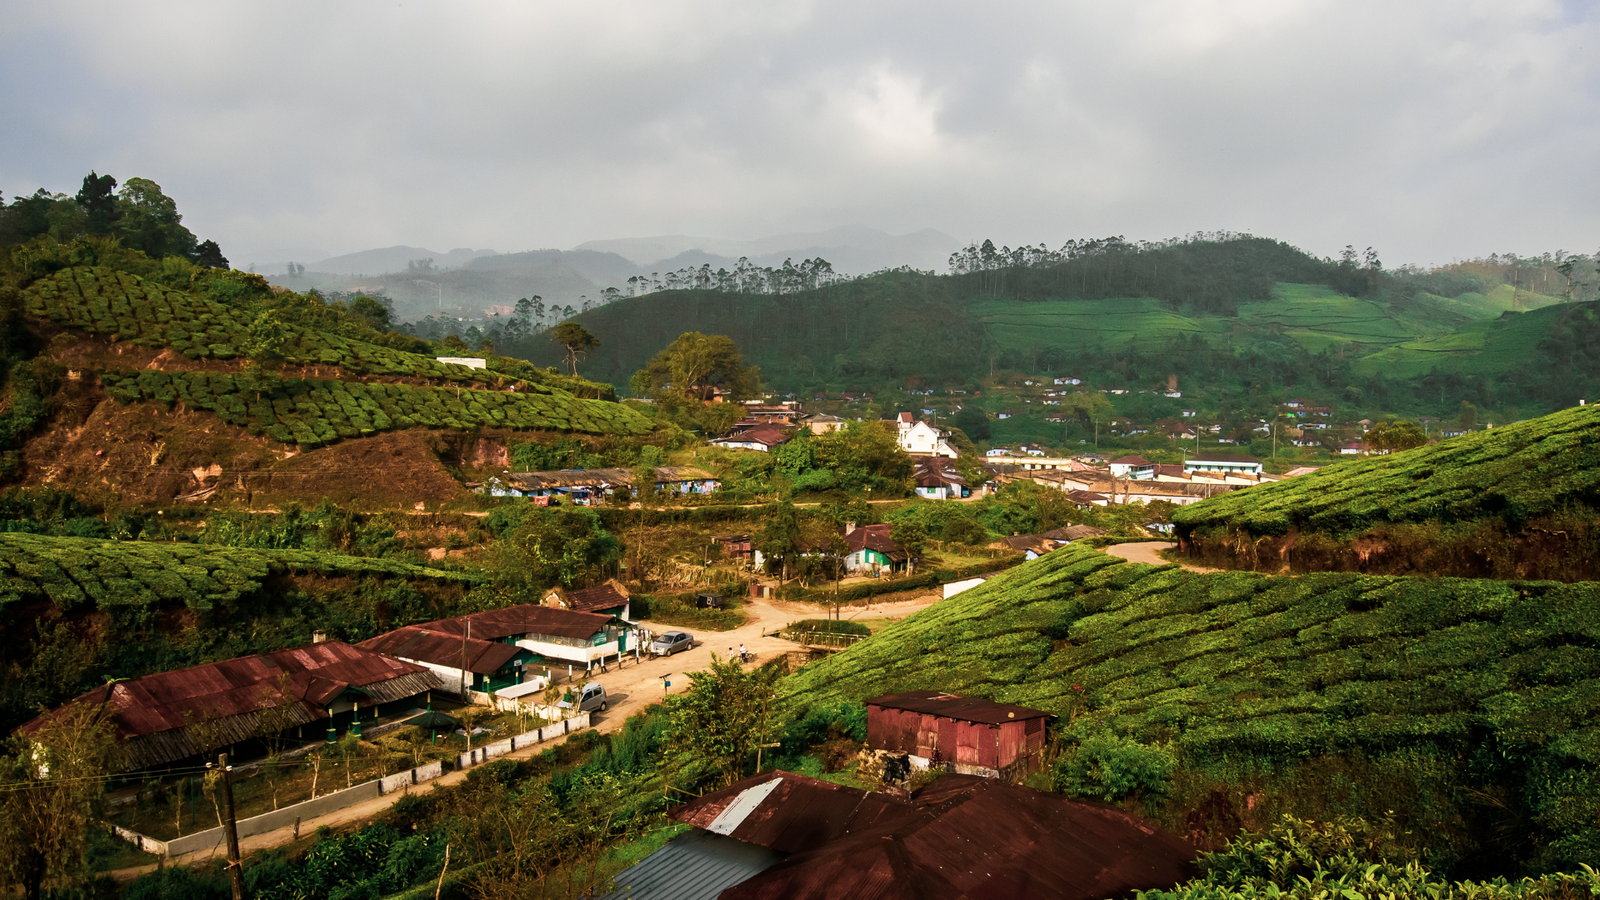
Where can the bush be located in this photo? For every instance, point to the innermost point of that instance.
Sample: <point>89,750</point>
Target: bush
<point>823,723</point>
<point>1110,768</point>
<point>831,626</point>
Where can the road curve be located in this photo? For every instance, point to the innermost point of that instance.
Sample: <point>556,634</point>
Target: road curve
<point>1146,552</point>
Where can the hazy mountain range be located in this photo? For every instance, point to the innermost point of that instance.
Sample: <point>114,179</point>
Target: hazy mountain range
<point>468,283</point>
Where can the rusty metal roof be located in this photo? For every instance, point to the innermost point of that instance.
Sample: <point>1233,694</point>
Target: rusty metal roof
<point>529,618</point>
<point>952,706</point>
<point>968,837</point>
<point>420,643</point>
<point>234,692</point>
<point>787,812</point>
<point>604,596</point>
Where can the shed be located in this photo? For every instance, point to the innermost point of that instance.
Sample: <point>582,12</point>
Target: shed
<point>969,735</point>
<point>611,599</point>
<point>168,716</point>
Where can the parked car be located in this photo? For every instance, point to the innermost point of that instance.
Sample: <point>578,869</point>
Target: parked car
<point>592,698</point>
<point>670,642</point>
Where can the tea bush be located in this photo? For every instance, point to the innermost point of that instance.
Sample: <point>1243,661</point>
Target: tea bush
<point>1332,691</point>
<point>312,412</point>
<point>1516,501</point>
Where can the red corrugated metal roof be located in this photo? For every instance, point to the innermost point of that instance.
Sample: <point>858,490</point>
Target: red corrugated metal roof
<point>605,596</point>
<point>969,837</point>
<point>791,813</point>
<point>316,674</point>
<point>529,618</point>
<point>966,709</point>
<point>442,649</point>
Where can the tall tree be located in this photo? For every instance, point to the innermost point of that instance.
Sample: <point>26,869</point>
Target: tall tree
<point>150,220</point>
<point>99,203</point>
<point>723,716</point>
<point>55,790</point>
<point>576,339</point>
<point>695,365</point>
<point>781,540</point>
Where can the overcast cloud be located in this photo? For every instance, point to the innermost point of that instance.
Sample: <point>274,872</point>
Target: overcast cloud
<point>1430,130</point>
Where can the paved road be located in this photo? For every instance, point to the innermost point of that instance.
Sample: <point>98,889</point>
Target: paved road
<point>1145,552</point>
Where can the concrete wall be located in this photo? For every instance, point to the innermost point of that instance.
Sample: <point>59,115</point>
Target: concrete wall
<point>537,736</point>
<point>278,818</point>
<point>403,780</point>
<point>306,812</point>
<point>143,842</point>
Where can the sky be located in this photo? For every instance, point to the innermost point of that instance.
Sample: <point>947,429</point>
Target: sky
<point>1429,130</point>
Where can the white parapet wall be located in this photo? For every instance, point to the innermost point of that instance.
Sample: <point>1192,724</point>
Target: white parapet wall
<point>471,362</point>
<point>528,739</point>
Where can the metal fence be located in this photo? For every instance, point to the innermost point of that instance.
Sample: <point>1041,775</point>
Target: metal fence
<point>817,638</point>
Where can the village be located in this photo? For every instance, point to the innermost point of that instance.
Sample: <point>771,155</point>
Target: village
<point>332,732</point>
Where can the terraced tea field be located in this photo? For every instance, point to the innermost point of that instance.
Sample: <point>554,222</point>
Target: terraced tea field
<point>313,412</point>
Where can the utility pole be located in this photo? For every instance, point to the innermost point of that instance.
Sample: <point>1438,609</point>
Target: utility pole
<point>235,865</point>
<point>466,635</point>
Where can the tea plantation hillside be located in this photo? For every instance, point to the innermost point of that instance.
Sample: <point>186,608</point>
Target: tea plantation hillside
<point>74,611</point>
<point>312,412</point>
<point>103,301</point>
<point>271,367</point>
<point>1513,502</point>
<point>1469,708</point>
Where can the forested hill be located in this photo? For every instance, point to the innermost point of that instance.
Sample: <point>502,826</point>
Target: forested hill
<point>903,323</point>
<point>1236,315</point>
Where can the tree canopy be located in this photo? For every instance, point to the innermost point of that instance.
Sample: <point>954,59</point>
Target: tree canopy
<point>695,365</point>
<point>576,339</point>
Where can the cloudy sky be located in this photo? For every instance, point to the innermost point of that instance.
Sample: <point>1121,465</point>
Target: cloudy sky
<point>1430,130</point>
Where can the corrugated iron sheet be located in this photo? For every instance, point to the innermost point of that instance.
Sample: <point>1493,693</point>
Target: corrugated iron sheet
<point>529,618</point>
<point>793,812</point>
<point>968,837</point>
<point>697,865</point>
<point>967,709</point>
<point>418,642</point>
<point>169,716</point>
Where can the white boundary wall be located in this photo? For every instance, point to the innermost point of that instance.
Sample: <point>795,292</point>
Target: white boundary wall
<point>308,811</point>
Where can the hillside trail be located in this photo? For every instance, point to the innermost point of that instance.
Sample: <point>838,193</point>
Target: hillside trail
<point>630,688</point>
<point>1146,552</point>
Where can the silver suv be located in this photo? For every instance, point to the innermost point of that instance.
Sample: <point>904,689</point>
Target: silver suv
<point>592,698</point>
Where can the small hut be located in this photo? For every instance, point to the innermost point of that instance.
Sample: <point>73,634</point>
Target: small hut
<point>966,734</point>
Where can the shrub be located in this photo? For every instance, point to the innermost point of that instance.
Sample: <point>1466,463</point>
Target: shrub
<point>1110,767</point>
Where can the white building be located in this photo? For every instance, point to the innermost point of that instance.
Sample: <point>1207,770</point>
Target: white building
<point>1223,462</point>
<point>918,438</point>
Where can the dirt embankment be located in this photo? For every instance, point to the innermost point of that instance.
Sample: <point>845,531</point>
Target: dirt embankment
<point>1562,547</point>
<point>144,453</point>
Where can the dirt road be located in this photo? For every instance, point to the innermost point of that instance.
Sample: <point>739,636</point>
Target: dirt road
<point>1145,552</point>
<point>639,683</point>
<point>630,688</point>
